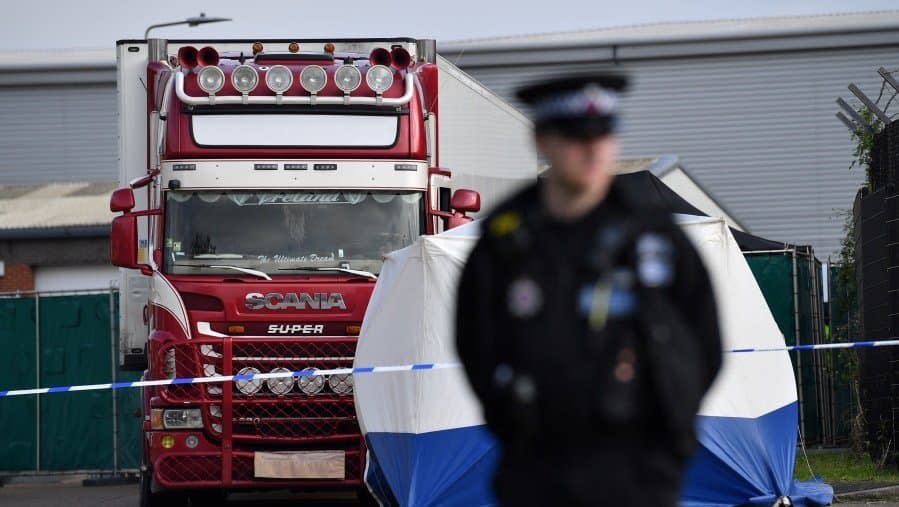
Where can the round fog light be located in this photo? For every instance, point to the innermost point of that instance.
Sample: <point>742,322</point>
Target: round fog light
<point>379,78</point>
<point>211,79</point>
<point>311,384</point>
<point>249,387</point>
<point>278,78</point>
<point>280,385</point>
<point>191,441</point>
<point>341,384</point>
<point>167,442</point>
<point>347,78</point>
<point>313,78</point>
<point>244,78</point>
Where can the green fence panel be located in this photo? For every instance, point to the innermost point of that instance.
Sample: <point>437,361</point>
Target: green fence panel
<point>810,360</point>
<point>18,425</point>
<point>774,274</point>
<point>128,402</point>
<point>129,422</point>
<point>843,328</point>
<point>76,427</point>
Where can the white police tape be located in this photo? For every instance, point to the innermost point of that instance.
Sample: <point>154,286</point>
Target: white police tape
<point>230,378</point>
<point>373,369</point>
<point>823,346</point>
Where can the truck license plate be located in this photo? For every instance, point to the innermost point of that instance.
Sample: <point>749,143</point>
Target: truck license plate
<point>300,465</point>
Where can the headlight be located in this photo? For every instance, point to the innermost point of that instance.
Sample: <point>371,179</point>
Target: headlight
<point>181,418</point>
<point>341,384</point>
<point>280,385</point>
<point>278,78</point>
<point>379,78</point>
<point>244,78</point>
<point>248,387</point>
<point>211,79</point>
<point>311,385</point>
<point>348,78</point>
<point>313,78</point>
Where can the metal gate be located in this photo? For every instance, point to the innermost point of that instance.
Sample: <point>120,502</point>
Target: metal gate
<point>57,339</point>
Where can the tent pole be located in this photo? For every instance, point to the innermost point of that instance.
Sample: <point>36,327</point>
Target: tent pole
<point>799,396</point>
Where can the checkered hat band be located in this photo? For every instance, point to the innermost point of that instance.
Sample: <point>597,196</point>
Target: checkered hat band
<point>589,101</point>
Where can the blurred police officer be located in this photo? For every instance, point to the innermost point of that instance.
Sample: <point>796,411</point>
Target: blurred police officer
<point>586,321</point>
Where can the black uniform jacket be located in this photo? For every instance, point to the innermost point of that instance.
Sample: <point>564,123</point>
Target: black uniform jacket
<point>603,331</point>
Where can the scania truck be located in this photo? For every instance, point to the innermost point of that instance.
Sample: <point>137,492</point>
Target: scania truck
<point>262,181</point>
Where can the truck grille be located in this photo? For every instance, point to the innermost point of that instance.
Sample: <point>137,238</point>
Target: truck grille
<point>268,411</point>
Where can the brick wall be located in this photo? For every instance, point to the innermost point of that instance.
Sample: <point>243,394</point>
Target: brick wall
<point>17,277</point>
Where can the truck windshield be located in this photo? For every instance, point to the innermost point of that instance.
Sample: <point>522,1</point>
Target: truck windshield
<point>278,231</point>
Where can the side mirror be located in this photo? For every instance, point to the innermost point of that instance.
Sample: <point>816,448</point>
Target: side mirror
<point>123,242</point>
<point>465,200</point>
<point>122,200</point>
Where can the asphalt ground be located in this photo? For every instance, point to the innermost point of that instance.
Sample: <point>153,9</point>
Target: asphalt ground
<point>71,493</point>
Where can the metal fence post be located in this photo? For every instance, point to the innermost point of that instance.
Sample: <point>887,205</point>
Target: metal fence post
<point>37,381</point>
<point>796,331</point>
<point>113,363</point>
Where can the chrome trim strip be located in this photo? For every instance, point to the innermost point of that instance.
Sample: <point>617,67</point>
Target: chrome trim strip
<point>206,329</point>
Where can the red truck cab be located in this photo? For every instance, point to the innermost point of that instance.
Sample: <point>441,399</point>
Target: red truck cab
<point>277,174</point>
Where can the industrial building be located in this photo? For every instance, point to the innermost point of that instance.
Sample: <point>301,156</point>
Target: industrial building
<point>747,106</point>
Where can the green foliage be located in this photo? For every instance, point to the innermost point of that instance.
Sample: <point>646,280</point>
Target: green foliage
<point>846,303</point>
<point>846,270</point>
<point>864,142</point>
<point>843,466</point>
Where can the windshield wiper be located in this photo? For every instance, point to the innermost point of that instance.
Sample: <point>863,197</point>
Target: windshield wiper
<point>254,272</point>
<point>355,272</point>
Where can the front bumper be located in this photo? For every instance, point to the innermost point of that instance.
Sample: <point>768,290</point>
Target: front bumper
<point>208,466</point>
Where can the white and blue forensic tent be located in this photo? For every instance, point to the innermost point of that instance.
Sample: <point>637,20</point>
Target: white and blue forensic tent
<point>426,437</point>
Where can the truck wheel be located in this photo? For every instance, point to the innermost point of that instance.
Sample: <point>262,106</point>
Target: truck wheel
<point>150,499</point>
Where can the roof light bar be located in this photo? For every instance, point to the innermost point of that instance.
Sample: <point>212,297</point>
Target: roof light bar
<point>409,83</point>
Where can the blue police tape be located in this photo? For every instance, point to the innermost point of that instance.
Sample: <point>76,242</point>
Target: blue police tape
<point>373,369</point>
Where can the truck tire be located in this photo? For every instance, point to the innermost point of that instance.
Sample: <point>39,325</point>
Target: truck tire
<point>150,499</point>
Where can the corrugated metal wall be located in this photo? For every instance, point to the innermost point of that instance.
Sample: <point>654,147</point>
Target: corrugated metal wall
<point>58,133</point>
<point>758,131</point>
